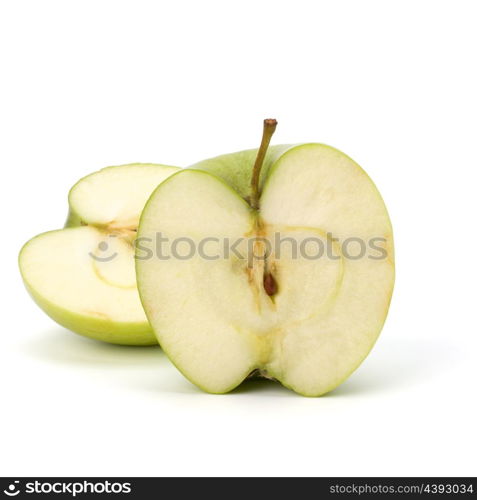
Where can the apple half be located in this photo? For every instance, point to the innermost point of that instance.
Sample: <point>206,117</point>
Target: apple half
<point>83,276</point>
<point>305,321</point>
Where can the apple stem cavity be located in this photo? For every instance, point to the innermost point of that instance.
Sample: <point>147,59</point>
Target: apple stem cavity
<point>269,126</point>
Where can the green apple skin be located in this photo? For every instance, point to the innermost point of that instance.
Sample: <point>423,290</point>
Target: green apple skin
<point>235,169</point>
<point>99,328</point>
<point>73,219</point>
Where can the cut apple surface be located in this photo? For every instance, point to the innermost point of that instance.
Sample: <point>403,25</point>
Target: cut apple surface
<point>305,319</point>
<point>83,276</point>
<point>114,197</point>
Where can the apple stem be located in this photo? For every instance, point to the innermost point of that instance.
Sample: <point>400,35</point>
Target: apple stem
<point>269,126</point>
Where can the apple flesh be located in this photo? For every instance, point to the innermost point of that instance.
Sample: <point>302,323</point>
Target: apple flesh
<point>307,323</point>
<point>83,276</point>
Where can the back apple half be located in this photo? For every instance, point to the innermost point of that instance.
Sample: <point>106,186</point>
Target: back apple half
<point>83,276</point>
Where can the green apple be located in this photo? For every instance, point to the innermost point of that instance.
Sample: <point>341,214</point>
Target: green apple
<point>278,307</point>
<point>83,276</point>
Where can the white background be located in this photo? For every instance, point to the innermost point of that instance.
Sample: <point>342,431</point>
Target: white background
<point>88,84</point>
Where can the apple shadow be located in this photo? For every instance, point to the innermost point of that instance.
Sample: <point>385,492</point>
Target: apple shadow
<point>263,387</point>
<point>393,365</point>
<point>397,364</point>
<point>59,345</point>
<point>142,368</point>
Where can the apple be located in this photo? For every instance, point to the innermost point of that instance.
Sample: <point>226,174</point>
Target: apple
<point>304,319</point>
<point>83,276</point>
